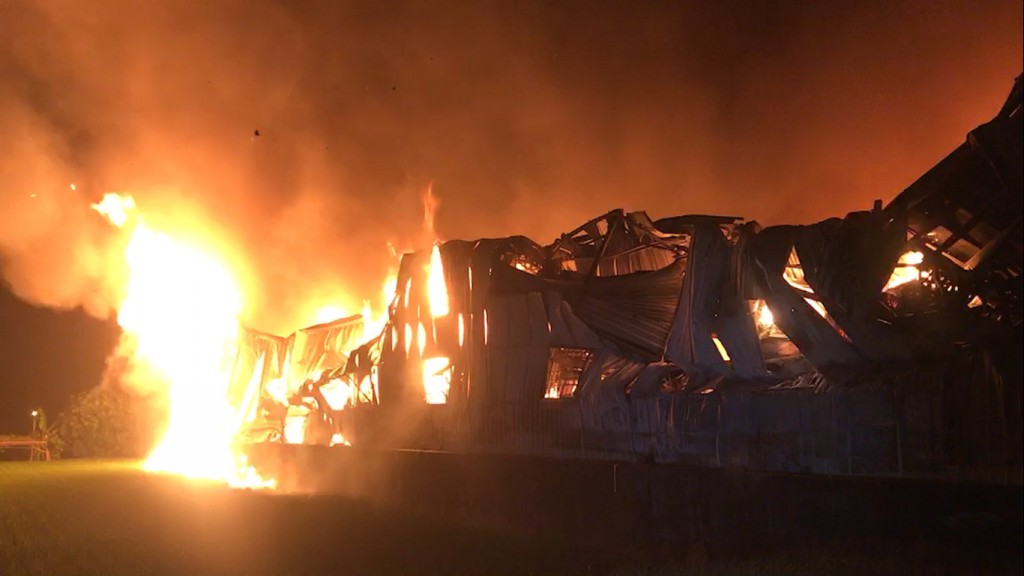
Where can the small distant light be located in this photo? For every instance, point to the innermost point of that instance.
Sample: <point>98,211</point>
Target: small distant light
<point>73,187</point>
<point>35,413</point>
<point>32,195</point>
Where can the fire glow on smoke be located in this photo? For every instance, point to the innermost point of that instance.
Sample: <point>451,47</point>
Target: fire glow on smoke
<point>179,315</point>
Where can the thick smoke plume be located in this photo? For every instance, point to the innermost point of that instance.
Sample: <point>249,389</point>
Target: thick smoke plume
<point>301,134</point>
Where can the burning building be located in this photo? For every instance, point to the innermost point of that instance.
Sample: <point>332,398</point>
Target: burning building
<point>883,343</point>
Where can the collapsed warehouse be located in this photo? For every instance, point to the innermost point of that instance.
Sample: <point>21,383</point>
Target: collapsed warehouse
<point>885,343</point>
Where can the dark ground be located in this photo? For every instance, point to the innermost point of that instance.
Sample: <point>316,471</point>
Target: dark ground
<point>89,517</point>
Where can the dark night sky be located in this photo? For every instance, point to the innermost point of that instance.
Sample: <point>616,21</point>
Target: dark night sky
<point>529,117</point>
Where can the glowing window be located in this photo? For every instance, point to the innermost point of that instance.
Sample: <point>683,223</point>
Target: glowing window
<point>569,265</point>
<point>793,273</point>
<point>764,320</point>
<point>721,349</point>
<point>907,270</point>
<point>774,342</point>
<point>437,379</point>
<point>524,263</point>
<point>565,368</point>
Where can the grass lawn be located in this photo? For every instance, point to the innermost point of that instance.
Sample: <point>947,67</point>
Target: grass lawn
<point>109,518</point>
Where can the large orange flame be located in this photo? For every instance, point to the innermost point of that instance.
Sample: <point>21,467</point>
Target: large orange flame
<point>436,370</point>
<point>180,312</point>
<point>437,290</point>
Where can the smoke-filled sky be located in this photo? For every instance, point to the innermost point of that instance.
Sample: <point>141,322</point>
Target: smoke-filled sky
<point>528,117</point>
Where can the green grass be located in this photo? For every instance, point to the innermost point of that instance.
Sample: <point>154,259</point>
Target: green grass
<point>109,518</point>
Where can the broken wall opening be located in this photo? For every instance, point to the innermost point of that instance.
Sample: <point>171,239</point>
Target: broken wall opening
<point>565,371</point>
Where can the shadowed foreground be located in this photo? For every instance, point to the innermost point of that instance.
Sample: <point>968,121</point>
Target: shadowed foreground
<point>110,518</point>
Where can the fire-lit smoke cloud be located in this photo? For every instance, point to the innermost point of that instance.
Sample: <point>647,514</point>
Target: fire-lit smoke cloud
<point>301,134</point>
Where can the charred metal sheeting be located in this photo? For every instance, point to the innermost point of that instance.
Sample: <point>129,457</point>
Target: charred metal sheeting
<point>321,348</point>
<point>268,370</point>
<point>259,358</point>
<point>883,343</point>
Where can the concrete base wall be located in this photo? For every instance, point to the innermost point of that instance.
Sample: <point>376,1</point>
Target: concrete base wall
<point>631,504</point>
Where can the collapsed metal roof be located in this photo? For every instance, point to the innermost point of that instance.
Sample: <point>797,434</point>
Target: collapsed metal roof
<point>624,309</point>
